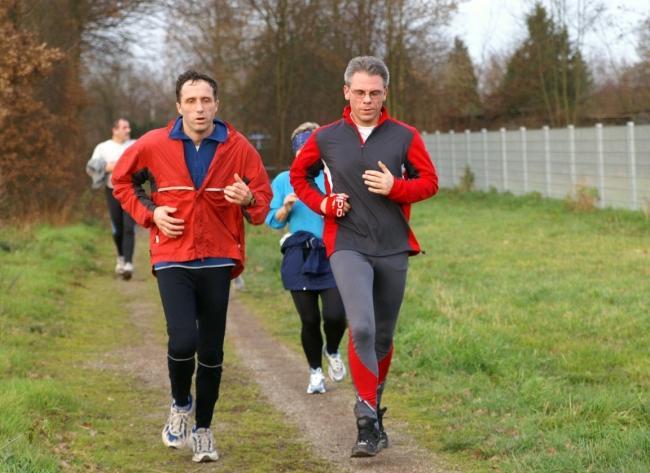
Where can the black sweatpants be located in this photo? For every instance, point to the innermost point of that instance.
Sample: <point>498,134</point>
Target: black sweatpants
<point>306,303</point>
<point>195,302</point>
<point>123,227</point>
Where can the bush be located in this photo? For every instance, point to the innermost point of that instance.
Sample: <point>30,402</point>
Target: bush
<point>582,198</point>
<point>467,180</point>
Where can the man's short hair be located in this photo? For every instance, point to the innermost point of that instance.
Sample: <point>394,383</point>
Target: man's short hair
<point>117,121</point>
<point>193,76</point>
<point>371,65</point>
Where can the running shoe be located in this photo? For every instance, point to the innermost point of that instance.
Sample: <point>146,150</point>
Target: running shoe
<point>119,266</point>
<point>316,381</point>
<point>176,430</point>
<point>238,283</point>
<point>203,446</point>
<point>128,271</point>
<point>367,438</point>
<point>383,436</point>
<point>335,365</point>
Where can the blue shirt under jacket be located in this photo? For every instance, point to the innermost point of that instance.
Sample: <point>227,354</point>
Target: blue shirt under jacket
<point>198,161</point>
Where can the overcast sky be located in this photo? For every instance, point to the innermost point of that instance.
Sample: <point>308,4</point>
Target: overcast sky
<point>489,26</point>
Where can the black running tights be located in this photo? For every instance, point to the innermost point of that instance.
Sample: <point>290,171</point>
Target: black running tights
<point>306,303</point>
<point>123,227</point>
<point>195,302</point>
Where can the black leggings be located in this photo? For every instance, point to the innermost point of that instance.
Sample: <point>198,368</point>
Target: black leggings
<point>123,227</point>
<point>306,303</point>
<point>195,302</point>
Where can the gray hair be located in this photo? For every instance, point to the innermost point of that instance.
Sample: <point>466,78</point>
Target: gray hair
<point>371,65</point>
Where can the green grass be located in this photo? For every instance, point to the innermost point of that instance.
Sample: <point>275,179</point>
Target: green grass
<point>523,341</point>
<point>62,410</point>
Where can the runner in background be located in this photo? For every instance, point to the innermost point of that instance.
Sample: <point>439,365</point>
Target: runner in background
<point>103,160</point>
<point>307,274</point>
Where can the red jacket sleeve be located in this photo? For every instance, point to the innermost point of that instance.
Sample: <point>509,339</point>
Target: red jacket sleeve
<point>303,172</point>
<point>420,179</point>
<point>129,175</point>
<point>258,183</point>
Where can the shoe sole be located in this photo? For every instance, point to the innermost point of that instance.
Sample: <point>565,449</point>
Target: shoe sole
<point>205,458</point>
<point>362,454</point>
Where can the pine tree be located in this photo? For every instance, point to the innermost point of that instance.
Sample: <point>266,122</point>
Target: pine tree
<point>546,78</point>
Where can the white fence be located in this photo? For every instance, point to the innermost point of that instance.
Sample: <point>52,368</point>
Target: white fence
<point>614,159</point>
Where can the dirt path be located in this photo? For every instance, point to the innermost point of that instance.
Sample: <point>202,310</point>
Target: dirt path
<point>325,421</point>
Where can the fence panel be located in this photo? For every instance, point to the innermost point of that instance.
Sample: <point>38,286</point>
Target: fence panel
<point>615,160</point>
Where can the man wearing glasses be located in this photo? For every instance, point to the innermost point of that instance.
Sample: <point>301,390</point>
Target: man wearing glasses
<point>375,167</point>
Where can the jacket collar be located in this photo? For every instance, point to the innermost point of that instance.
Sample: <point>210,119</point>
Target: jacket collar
<point>347,115</point>
<point>219,133</point>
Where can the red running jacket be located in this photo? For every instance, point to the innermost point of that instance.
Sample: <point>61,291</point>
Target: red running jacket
<point>214,227</point>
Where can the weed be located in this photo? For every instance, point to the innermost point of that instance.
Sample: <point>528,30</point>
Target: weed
<point>582,198</point>
<point>467,180</point>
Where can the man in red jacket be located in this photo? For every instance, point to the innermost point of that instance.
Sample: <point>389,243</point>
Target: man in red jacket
<point>375,167</point>
<point>204,179</point>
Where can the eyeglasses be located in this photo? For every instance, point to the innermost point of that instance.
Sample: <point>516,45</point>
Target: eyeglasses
<point>361,94</point>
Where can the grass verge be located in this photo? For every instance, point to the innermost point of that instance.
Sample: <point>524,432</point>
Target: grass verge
<point>65,405</point>
<point>523,340</point>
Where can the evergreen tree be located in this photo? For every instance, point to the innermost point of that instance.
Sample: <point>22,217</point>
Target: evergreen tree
<point>459,98</point>
<point>546,78</point>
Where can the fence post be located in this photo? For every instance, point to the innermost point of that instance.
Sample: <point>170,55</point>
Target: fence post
<point>631,154</point>
<point>601,163</point>
<point>485,158</point>
<point>547,160</point>
<point>504,160</point>
<point>437,141</point>
<point>453,157</point>
<point>468,153</point>
<point>572,154</point>
<point>524,157</point>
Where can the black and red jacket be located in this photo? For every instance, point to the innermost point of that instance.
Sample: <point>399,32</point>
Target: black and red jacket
<point>376,225</point>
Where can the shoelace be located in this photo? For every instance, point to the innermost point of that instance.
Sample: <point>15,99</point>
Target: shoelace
<point>203,442</point>
<point>337,363</point>
<point>177,422</point>
<point>315,378</point>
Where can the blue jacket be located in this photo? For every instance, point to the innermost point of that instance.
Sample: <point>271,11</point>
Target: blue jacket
<point>305,266</point>
<point>301,217</point>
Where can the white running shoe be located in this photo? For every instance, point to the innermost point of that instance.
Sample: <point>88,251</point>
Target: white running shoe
<point>119,266</point>
<point>238,283</point>
<point>203,446</point>
<point>336,367</point>
<point>177,428</point>
<point>128,271</point>
<point>316,381</point>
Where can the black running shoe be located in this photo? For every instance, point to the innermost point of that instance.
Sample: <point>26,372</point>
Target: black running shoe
<point>383,436</point>
<point>367,439</point>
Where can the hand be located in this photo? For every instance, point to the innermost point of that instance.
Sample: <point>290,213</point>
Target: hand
<point>335,205</point>
<point>379,182</point>
<point>289,200</point>
<point>170,226</point>
<point>238,192</point>
<point>110,166</point>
